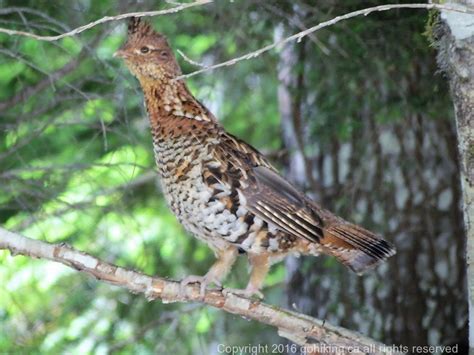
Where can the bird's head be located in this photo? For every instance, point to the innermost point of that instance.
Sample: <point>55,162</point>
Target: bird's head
<point>147,53</point>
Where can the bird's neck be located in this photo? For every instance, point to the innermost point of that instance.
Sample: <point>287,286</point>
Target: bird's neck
<point>170,100</point>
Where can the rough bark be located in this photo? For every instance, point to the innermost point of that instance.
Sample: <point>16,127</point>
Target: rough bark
<point>456,58</point>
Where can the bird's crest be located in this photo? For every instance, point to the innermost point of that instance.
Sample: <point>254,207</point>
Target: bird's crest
<point>139,28</point>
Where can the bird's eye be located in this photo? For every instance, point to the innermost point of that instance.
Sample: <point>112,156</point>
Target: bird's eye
<point>144,50</point>
<point>164,54</point>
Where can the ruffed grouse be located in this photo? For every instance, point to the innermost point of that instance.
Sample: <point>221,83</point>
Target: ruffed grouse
<point>223,190</point>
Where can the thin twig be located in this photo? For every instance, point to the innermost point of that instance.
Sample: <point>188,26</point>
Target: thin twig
<point>104,20</point>
<point>299,36</point>
<point>305,331</point>
<point>190,61</point>
<point>50,79</point>
<point>20,10</point>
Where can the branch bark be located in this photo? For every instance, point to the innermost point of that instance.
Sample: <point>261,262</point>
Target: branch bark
<point>456,58</point>
<point>311,333</point>
<point>104,20</point>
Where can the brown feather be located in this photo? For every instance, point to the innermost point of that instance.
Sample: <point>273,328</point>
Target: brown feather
<point>355,247</point>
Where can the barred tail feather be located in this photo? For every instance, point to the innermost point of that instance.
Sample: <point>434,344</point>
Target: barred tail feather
<point>355,247</point>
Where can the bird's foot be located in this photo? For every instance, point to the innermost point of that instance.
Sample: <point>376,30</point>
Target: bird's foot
<point>204,281</point>
<point>247,292</point>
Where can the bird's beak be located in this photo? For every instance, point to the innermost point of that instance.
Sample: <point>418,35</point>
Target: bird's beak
<point>120,53</point>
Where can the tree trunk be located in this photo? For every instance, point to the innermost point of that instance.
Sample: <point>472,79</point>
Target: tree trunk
<point>456,58</point>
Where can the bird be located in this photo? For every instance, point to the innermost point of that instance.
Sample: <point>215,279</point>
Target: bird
<point>224,191</point>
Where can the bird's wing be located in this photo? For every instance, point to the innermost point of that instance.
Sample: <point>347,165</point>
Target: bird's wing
<point>257,186</point>
<point>254,184</point>
<point>276,201</point>
<point>268,195</point>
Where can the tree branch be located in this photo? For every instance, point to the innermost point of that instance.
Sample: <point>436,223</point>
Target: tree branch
<point>298,36</point>
<point>301,329</point>
<point>104,20</point>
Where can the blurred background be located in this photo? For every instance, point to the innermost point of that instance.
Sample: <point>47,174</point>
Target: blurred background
<point>357,115</point>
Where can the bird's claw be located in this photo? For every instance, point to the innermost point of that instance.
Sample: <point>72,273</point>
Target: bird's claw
<point>248,292</point>
<point>203,281</point>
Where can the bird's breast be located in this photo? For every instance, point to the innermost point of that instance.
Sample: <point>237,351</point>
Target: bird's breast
<point>180,164</point>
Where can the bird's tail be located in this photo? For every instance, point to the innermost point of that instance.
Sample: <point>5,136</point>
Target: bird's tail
<point>354,246</point>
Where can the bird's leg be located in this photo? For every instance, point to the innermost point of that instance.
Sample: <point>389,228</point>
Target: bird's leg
<point>260,265</point>
<point>217,272</point>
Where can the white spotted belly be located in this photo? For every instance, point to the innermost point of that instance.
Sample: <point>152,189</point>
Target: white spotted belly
<point>207,218</point>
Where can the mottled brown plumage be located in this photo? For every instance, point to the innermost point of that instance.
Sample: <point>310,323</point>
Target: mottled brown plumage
<point>223,190</point>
